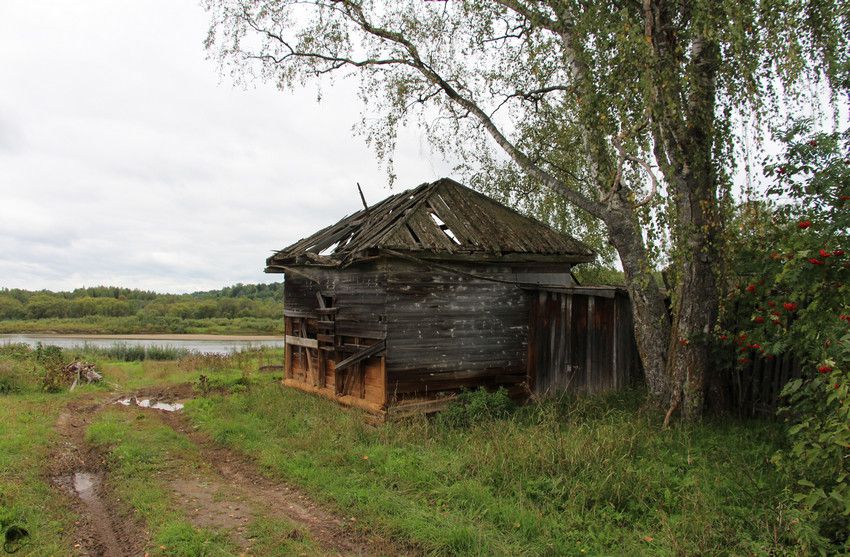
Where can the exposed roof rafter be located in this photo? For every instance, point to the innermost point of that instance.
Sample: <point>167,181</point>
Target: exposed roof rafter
<point>440,219</point>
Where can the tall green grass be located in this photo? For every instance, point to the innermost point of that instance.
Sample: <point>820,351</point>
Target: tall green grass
<point>27,499</point>
<point>568,477</point>
<point>123,352</point>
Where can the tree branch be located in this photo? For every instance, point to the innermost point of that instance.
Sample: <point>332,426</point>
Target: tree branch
<point>517,155</point>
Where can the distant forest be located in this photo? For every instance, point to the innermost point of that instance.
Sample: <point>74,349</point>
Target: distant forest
<point>241,308</point>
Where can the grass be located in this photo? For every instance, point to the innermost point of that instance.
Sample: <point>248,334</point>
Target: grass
<point>222,370</point>
<point>128,368</point>
<point>26,497</point>
<point>123,352</point>
<point>138,449</point>
<point>594,476</point>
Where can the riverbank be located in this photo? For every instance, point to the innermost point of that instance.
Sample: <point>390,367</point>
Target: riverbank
<point>135,325</point>
<point>139,346</point>
<point>153,336</point>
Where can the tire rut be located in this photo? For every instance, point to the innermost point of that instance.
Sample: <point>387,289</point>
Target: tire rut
<point>247,491</point>
<point>105,527</point>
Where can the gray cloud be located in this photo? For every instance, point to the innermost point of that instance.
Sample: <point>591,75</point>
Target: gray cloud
<point>125,159</point>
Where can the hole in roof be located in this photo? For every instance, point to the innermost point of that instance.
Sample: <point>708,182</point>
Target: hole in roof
<point>330,249</point>
<point>412,233</point>
<point>445,228</point>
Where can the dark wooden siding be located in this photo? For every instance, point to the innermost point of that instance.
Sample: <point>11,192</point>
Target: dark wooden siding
<point>751,389</point>
<point>359,292</point>
<point>447,330</point>
<point>299,294</point>
<point>581,342</point>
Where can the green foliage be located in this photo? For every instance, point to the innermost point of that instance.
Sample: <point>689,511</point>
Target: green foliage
<point>559,79</point>
<point>256,306</point>
<point>50,359</point>
<point>11,308</point>
<point>472,407</point>
<point>817,415</point>
<point>96,324</point>
<point>791,294</point>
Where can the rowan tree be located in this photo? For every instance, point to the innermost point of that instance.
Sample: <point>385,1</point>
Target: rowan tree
<point>626,112</point>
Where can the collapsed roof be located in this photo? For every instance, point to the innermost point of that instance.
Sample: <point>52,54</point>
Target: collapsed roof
<point>443,220</point>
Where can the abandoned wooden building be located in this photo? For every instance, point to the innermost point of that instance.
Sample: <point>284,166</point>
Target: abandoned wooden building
<point>439,288</point>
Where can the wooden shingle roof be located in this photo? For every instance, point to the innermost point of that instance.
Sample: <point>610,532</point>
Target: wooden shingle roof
<point>443,220</point>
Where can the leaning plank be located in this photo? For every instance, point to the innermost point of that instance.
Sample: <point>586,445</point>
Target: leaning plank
<point>362,355</point>
<point>419,407</point>
<point>346,400</point>
<point>301,341</point>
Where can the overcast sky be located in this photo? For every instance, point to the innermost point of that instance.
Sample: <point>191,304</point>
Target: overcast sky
<point>125,159</point>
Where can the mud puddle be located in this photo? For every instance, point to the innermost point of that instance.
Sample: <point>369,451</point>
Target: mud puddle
<point>85,484</point>
<point>154,405</point>
<point>86,487</point>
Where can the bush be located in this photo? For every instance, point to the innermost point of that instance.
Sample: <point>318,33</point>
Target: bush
<point>206,385</point>
<point>49,359</point>
<point>480,405</point>
<point>793,296</point>
<point>818,414</point>
<point>10,381</point>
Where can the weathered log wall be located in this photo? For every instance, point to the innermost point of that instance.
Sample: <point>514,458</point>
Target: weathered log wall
<point>581,341</point>
<point>442,330</point>
<point>359,293</point>
<point>450,330</point>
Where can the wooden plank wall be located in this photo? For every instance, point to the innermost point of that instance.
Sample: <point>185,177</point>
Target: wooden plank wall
<point>750,390</point>
<point>359,293</point>
<point>446,331</point>
<point>581,343</point>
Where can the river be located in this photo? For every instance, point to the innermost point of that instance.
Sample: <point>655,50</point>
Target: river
<point>206,344</point>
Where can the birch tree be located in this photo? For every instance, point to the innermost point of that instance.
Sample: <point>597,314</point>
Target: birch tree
<point>627,110</point>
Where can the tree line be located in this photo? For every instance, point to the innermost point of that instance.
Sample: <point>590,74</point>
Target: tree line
<point>239,300</point>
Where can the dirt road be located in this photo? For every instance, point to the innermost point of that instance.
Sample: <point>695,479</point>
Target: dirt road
<point>225,494</point>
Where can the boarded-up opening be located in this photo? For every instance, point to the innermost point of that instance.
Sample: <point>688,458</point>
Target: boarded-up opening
<point>581,341</point>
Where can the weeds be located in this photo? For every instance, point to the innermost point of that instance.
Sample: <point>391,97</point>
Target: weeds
<point>123,352</point>
<point>471,407</point>
<point>50,360</point>
<point>569,476</point>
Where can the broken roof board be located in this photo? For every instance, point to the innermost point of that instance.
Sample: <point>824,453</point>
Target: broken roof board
<point>443,218</point>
